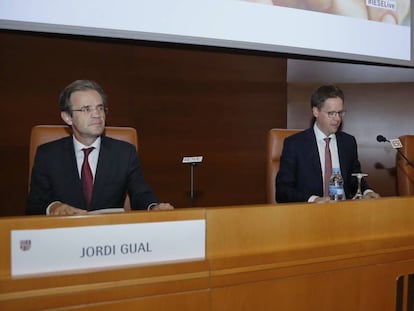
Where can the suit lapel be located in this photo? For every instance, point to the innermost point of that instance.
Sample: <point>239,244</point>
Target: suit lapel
<point>101,168</point>
<point>343,151</point>
<point>71,174</point>
<point>311,148</point>
<point>69,159</point>
<point>342,154</point>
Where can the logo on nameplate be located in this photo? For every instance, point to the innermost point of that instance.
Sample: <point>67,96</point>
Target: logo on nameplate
<point>25,245</point>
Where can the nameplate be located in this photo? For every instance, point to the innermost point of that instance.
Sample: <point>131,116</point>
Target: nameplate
<point>196,159</point>
<point>64,249</point>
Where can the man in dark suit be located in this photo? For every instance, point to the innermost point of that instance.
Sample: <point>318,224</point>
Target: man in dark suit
<point>59,184</point>
<point>301,175</point>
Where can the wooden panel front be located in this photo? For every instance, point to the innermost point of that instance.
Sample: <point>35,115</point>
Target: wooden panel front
<point>334,256</point>
<point>126,288</point>
<point>367,288</point>
<point>269,228</point>
<point>351,255</point>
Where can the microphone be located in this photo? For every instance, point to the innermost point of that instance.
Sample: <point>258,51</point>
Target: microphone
<point>381,139</point>
<point>396,144</point>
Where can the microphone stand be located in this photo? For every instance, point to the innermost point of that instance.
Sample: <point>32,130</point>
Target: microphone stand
<point>192,161</point>
<point>192,166</point>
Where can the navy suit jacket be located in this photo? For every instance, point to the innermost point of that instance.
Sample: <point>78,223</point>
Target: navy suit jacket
<point>55,177</point>
<point>300,172</point>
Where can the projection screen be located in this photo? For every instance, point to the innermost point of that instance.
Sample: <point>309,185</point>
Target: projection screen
<point>373,31</point>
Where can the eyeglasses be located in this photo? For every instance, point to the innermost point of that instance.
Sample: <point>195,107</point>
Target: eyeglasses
<point>90,109</point>
<point>333,114</point>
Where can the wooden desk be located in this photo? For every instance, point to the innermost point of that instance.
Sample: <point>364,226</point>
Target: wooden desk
<point>353,255</point>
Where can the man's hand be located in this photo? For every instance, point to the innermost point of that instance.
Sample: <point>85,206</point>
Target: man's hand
<point>322,199</point>
<point>162,207</point>
<point>371,195</point>
<point>59,209</point>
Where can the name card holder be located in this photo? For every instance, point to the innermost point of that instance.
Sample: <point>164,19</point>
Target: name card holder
<point>64,249</point>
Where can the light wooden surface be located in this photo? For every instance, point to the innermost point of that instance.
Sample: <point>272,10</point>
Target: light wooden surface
<point>334,256</point>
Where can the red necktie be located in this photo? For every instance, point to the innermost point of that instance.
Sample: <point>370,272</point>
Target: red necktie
<point>328,166</point>
<point>86,176</point>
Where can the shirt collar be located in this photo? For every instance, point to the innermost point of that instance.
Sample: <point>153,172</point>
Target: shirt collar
<point>79,146</point>
<point>319,134</point>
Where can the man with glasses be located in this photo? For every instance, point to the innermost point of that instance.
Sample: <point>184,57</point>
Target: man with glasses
<point>308,157</point>
<point>87,171</point>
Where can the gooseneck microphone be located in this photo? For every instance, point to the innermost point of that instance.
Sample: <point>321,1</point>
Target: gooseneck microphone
<point>381,139</point>
<point>396,144</point>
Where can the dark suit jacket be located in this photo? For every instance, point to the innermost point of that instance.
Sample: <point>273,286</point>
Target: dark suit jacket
<point>300,172</point>
<point>55,177</point>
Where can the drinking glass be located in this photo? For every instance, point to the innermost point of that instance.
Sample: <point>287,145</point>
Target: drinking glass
<point>358,194</point>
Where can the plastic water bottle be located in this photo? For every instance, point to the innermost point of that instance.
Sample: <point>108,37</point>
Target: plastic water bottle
<point>336,186</point>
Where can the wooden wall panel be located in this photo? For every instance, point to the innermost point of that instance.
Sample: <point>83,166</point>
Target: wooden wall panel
<point>182,101</point>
